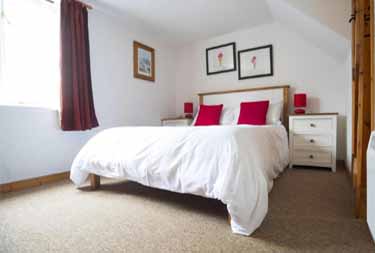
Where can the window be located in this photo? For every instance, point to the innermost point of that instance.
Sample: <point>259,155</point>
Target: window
<point>29,56</point>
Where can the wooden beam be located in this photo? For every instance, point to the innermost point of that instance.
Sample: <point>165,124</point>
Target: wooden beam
<point>355,64</point>
<point>363,50</point>
<point>372,65</point>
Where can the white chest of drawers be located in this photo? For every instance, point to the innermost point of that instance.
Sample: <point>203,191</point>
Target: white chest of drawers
<point>176,122</point>
<point>312,140</point>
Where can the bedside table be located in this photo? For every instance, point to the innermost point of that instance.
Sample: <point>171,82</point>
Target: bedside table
<point>176,122</point>
<point>312,140</point>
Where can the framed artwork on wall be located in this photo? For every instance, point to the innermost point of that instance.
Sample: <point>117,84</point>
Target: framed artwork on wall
<point>255,62</point>
<point>221,59</point>
<point>143,61</point>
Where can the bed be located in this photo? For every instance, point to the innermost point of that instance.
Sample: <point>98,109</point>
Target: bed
<point>232,163</point>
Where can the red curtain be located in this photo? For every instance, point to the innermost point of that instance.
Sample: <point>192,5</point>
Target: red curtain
<point>77,103</point>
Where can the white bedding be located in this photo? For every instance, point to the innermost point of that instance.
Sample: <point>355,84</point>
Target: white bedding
<point>235,164</point>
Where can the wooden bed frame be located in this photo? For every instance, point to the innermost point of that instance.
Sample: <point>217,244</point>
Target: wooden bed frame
<point>95,179</point>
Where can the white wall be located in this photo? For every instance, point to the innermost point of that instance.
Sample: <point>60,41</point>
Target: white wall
<point>31,143</point>
<point>296,62</point>
<point>121,99</point>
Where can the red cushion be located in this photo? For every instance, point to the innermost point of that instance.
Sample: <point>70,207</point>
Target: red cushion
<point>253,113</point>
<point>209,115</point>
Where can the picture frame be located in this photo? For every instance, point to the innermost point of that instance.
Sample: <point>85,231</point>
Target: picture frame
<point>143,61</point>
<point>255,62</point>
<point>221,59</point>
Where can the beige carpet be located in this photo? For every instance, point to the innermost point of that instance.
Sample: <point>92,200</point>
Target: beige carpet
<point>309,211</point>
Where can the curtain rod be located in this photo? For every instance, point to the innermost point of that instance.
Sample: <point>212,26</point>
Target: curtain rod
<point>84,4</point>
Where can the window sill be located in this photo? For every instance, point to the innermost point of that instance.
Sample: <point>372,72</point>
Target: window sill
<point>31,106</point>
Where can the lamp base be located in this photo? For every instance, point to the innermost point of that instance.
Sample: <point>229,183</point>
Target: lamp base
<point>299,111</point>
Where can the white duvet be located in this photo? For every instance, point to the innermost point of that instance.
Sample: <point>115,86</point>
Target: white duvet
<point>235,164</point>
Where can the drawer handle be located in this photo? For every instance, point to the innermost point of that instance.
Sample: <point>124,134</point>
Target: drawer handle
<point>312,125</point>
<point>312,141</point>
<point>311,157</point>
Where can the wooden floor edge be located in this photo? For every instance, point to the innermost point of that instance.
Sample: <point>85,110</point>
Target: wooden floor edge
<point>33,182</point>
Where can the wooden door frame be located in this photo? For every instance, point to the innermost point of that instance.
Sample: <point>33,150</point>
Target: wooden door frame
<point>372,62</point>
<point>363,113</point>
<point>354,94</point>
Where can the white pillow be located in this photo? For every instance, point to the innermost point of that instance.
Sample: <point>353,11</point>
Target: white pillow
<point>274,113</point>
<point>227,116</point>
<point>195,118</point>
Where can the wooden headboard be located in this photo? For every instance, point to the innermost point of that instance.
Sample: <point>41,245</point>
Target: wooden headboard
<point>233,98</point>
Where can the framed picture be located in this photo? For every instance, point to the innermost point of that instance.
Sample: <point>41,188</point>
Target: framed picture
<point>255,62</point>
<point>143,61</point>
<point>221,59</point>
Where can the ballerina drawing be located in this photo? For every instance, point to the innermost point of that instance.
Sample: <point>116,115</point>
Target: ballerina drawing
<point>254,62</point>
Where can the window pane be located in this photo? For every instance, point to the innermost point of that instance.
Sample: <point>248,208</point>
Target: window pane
<point>31,71</point>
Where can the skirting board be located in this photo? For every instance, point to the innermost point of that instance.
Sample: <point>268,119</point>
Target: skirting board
<point>33,182</point>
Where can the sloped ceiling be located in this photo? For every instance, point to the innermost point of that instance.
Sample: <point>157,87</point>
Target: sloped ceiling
<point>332,13</point>
<point>190,20</point>
<point>321,22</point>
<point>313,28</point>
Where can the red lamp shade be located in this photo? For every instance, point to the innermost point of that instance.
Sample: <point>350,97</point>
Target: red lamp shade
<point>188,107</point>
<point>300,100</point>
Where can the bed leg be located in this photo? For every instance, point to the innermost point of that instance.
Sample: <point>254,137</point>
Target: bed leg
<point>94,181</point>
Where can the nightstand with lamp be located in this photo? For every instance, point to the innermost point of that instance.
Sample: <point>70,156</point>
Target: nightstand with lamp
<point>185,120</point>
<point>312,136</point>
